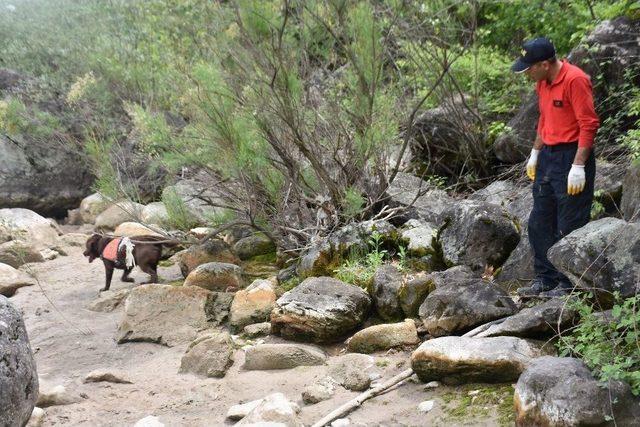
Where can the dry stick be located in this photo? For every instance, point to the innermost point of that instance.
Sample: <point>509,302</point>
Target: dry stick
<point>484,327</point>
<point>357,401</point>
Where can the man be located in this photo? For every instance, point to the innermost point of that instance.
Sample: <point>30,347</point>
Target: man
<point>561,164</point>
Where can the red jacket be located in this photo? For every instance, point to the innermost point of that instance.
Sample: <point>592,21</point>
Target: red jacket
<point>566,108</point>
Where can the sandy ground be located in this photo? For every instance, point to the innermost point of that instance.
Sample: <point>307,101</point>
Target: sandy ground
<point>69,341</point>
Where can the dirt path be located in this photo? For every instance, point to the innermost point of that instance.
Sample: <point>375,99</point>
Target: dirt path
<point>69,341</point>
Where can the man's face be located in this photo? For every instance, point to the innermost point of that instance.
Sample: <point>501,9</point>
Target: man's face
<point>538,71</point>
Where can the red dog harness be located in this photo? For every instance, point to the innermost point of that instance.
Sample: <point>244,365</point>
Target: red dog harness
<point>110,251</point>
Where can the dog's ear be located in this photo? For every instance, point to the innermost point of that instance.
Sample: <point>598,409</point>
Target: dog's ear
<point>91,250</point>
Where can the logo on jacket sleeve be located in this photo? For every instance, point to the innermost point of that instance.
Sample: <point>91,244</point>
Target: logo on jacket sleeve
<point>557,102</point>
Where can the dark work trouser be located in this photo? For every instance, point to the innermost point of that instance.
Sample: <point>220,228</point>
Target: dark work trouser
<point>556,213</point>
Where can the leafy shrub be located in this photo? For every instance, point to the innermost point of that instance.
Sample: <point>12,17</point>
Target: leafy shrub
<point>360,266</point>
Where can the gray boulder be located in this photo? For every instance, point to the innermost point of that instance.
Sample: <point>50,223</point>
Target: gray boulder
<point>320,391</point>
<point>419,236</point>
<point>630,204</point>
<point>603,257</point>
<point>26,225</point>
<point>425,201</point>
<point>477,234</point>
<point>117,213</point>
<point>500,193</point>
<point>216,276</point>
<point>456,308</point>
<point>18,376</point>
<point>353,371</point>
<point>387,282</point>
<point>92,206</point>
<point>320,309</point>
<point>459,360</point>
<point>209,355</point>
<point>282,356</point>
<point>561,391</point>
<point>253,245</point>
<point>17,252</point>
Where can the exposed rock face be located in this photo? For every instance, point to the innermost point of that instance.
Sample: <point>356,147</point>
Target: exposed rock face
<point>40,175</point>
<point>167,314</point>
<point>252,305</point>
<point>213,250</point>
<point>216,276</point>
<point>561,391</point>
<point>282,356</point>
<point>387,282</point>
<point>603,256</point>
<point>117,213</point>
<point>477,234</point>
<point>429,203</point>
<point>320,309</point>
<point>12,280</point>
<point>210,355</point>
<point>456,360</point>
<point>630,204</point>
<point>18,376</point>
<point>23,224</point>
<point>384,336</point>
<point>253,245</point>
<point>540,321</point>
<point>455,308</point>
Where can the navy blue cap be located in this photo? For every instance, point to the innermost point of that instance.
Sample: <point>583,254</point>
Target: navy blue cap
<point>533,51</point>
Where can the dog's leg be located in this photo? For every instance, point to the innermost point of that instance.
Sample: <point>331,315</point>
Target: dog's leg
<point>108,271</point>
<point>125,275</point>
<point>151,271</point>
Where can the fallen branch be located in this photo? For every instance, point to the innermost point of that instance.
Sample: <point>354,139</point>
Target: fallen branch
<point>357,401</point>
<point>484,327</point>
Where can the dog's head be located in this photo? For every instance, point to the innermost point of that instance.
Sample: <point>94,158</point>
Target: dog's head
<point>91,249</point>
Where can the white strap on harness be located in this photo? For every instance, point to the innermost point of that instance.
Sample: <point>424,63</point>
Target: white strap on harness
<point>128,244</point>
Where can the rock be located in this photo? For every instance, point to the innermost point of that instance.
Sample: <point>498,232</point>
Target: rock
<point>353,371</point>
<point>275,408</point>
<point>190,193</point>
<point>327,253</point>
<point>456,308</point>
<point>237,412</point>
<point>602,257</point>
<point>428,206</point>
<point>18,376</point>
<point>213,250</point>
<point>74,239</point>
<point>282,356</point>
<point>458,360</point>
<point>419,237</point>
<point>149,421</point>
<point>630,204</point>
<point>57,396</point>
<point>12,280</point>
<point>130,229</point>
<point>432,384</point>
<point>384,337</point>
<point>252,305</point>
<point>108,301</point>
<point>540,321</point>
<point>73,217</point>
<point>426,406</point>
<point>154,213</point>
<point>26,225</point>
<point>10,79</point>
<point>37,417</point>
<point>341,422</point>
<point>500,193</point>
<point>210,356</point>
<point>16,253</point>
<point>514,145</point>
<point>477,234</point>
<point>201,232</point>
<point>561,391</point>
<point>216,276</point>
<point>40,175</point>
<point>254,245</point>
<point>92,206</point>
<point>107,375</point>
<point>608,185</point>
<point>320,391</point>
<point>167,314</point>
<point>117,213</point>
<point>387,282</point>
<point>320,309</point>
<point>257,330</point>
<point>49,254</point>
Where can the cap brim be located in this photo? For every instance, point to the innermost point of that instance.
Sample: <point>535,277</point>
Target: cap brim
<point>520,66</point>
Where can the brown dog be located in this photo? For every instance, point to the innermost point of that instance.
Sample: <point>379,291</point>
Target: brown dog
<point>146,252</point>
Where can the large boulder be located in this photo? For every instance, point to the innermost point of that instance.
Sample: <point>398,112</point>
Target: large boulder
<point>320,309</point>
<point>213,250</point>
<point>459,360</point>
<point>252,305</point>
<point>602,257</point>
<point>216,276</point>
<point>387,281</point>
<point>477,234</point>
<point>209,355</point>
<point>457,308</point>
<point>254,245</point>
<point>419,236</point>
<point>630,204</point>
<point>424,201</point>
<point>130,229</point>
<point>117,213</point>
<point>41,175</point>
<point>12,280</point>
<point>18,376</point>
<point>154,213</point>
<point>561,391</point>
<point>17,252</point>
<point>383,337</point>
<point>23,224</point>
<point>329,252</point>
<point>92,206</point>
<point>167,314</point>
<point>500,193</point>
<point>282,356</point>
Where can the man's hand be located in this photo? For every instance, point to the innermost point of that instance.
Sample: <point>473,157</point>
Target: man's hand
<point>576,180</point>
<point>532,164</point>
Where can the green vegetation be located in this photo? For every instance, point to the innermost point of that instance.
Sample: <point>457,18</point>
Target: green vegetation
<point>361,265</point>
<point>473,401</point>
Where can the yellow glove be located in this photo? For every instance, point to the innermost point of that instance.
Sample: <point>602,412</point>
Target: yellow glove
<point>532,164</point>
<point>576,180</point>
